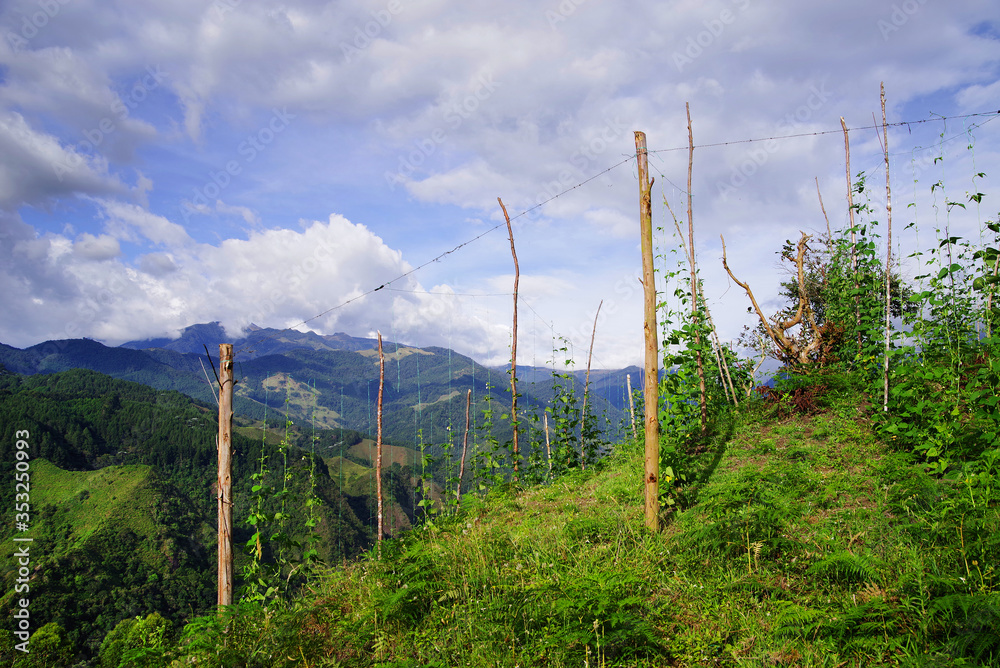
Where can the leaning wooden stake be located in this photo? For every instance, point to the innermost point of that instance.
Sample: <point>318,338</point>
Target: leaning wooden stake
<point>586,387</point>
<point>888,255</point>
<point>695,318</point>
<point>854,252</point>
<point>513,346</point>
<point>225,477</point>
<point>651,477</point>
<point>708,313</point>
<point>631,403</point>
<point>378,442</point>
<point>727,380</point>
<point>548,448</point>
<point>465,445</point>
<point>829,234</point>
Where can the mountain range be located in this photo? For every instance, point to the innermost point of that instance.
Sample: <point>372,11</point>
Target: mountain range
<point>332,381</point>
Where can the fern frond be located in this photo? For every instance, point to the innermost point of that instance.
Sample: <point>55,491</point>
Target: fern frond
<point>846,567</point>
<point>795,620</point>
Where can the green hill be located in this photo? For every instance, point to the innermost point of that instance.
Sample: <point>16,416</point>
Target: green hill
<point>107,545</point>
<point>794,540</point>
<point>122,507</point>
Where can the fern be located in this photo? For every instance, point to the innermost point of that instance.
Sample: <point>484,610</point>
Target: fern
<point>795,620</point>
<point>847,567</point>
<point>972,622</point>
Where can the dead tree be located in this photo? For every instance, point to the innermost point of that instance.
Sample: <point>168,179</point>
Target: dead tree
<point>812,343</point>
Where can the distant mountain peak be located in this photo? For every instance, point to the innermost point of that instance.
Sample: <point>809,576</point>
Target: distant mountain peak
<point>253,341</point>
<point>192,339</point>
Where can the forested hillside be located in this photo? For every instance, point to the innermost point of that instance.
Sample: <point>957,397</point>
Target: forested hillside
<point>123,510</point>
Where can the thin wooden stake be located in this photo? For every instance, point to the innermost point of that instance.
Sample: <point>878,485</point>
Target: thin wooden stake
<point>586,387</point>
<point>854,254</point>
<point>631,403</point>
<point>378,442</point>
<point>651,476</point>
<point>224,481</point>
<point>989,301</point>
<point>708,313</point>
<point>888,254</point>
<point>718,364</point>
<point>829,234</point>
<point>728,379</point>
<point>548,448</point>
<point>207,380</point>
<point>465,444</point>
<point>513,346</point>
<point>694,281</point>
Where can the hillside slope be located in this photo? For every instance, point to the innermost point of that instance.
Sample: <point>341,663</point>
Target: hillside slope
<point>792,541</point>
<point>121,503</point>
<point>109,544</point>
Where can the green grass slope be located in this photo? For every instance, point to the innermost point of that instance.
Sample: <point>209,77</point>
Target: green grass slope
<point>89,501</point>
<point>792,541</point>
<point>108,544</point>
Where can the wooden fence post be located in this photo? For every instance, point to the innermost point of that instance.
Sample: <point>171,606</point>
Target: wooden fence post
<point>888,257</point>
<point>465,445</point>
<point>695,315</point>
<point>652,381</point>
<point>631,403</point>
<point>854,239</point>
<point>513,349</point>
<point>225,476</point>
<point>378,442</point>
<point>586,390</point>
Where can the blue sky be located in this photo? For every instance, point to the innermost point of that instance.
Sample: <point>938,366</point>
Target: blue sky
<point>163,164</point>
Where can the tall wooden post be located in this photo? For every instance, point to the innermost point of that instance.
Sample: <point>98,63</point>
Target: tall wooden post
<point>465,445</point>
<point>854,238</point>
<point>513,348</point>
<point>225,477</point>
<point>586,390</point>
<point>695,316</point>
<point>651,388</point>
<point>888,257</point>
<point>378,441</point>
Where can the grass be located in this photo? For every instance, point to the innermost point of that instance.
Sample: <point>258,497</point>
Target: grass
<point>797,541</point>
<point>92,500</point>
<point>391,454</point>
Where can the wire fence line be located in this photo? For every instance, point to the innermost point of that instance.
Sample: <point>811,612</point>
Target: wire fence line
<point>990,115</point>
